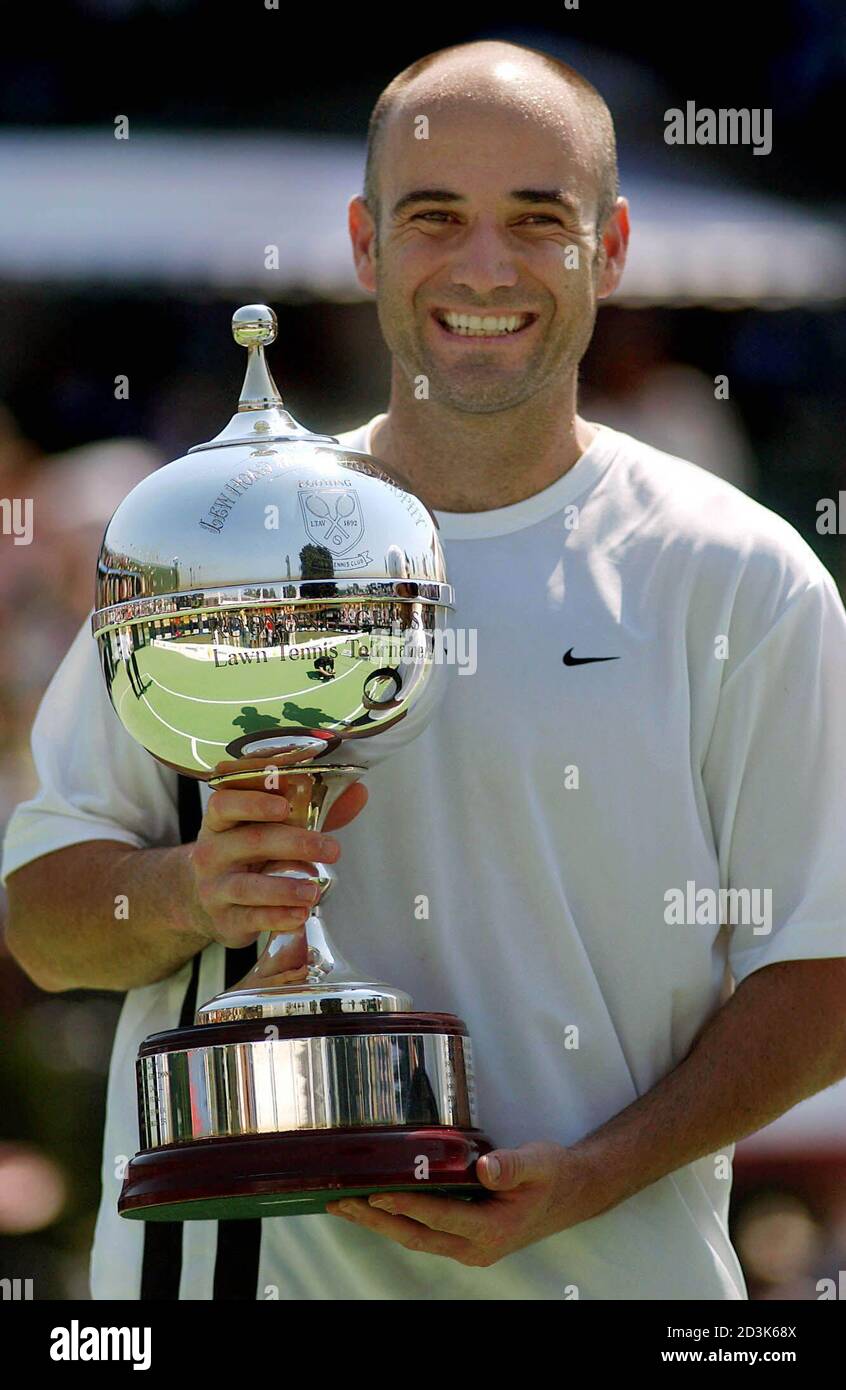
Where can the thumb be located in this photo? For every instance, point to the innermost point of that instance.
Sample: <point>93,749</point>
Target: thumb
<point>504,1169</point>
<point>347,807</point>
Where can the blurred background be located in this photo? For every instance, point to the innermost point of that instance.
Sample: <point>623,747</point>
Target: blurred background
<point>121,261</point>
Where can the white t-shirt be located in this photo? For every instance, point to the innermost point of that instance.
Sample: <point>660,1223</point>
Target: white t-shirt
<point>545,813</point>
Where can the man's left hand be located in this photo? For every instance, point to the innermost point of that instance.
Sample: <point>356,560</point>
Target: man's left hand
<point>536,1190</point>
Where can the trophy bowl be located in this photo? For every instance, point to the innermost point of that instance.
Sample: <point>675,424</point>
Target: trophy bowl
<point>270,613</point>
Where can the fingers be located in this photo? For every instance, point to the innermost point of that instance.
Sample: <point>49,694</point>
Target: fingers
<point>236,925</point>
<point>290,867</point>
<point>247,904</point>
<point>253,921</point>
<point>227,807</point>
<point>266,890</point>
<point>399,1229</point>
<point>244,830</point>
<point>445,1214</point>
<point>258,842</point>
<point>504,1170</point>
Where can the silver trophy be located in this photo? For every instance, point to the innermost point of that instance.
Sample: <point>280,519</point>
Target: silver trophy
<point>267,614</point>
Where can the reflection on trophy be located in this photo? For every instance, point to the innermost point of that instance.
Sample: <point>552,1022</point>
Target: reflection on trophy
<point>266,616</point>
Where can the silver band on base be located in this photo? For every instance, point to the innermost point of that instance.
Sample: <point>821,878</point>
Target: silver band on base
<point>291,1084</point>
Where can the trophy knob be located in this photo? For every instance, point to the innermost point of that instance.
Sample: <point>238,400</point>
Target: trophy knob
<point>254,325</point>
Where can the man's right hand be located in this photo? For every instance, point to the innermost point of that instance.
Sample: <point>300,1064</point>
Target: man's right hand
<point>234,902</point>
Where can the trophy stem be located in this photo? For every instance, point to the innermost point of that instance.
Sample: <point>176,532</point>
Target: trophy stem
<point>299,972</point>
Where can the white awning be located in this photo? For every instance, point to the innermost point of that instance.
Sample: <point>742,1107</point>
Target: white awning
<point>200,211</point>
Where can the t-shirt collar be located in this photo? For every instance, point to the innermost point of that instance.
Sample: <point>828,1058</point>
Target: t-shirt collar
<point>499,521</point>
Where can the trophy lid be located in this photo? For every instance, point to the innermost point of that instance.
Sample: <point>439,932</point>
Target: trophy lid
<point>261,416</point>
<point>267,511</point>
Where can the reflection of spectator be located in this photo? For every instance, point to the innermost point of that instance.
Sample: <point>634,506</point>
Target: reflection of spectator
<point>671,405</point>
<point>48,586</point>
<point>135,678</point>
<point>780,1244</point>
<point>17,454</point>
<point>137,641</point>
<point>76,495</point>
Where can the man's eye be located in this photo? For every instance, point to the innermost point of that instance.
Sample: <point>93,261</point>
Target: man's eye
<point>542,217</point>
<point>433,213</point>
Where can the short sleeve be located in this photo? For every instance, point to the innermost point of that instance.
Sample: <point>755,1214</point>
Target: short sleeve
<point>94,781</point>
<point>775,780</point>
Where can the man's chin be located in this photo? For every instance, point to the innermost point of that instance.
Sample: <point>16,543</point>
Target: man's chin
<point>478,399</point>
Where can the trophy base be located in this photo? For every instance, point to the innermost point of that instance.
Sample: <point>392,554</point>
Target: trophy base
<point>297,1174</point>
<point>245,1118</point>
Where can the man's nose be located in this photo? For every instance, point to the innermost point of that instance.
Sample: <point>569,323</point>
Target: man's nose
<point>484,262</point>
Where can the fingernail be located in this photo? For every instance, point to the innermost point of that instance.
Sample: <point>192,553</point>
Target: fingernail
<point>347,1208</point>
<point>327,845</point>
<point>493,1168</point>
<point>383,1203</point>
<point>306,892</point>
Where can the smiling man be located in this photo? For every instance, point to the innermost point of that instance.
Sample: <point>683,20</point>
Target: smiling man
<point>657,703</point>
<point>489,229</point>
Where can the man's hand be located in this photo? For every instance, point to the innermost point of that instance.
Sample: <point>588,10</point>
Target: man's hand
<point>539,1189</point>
<point>62,928</point>
<point>745,1068</point>
<point>242,831</point>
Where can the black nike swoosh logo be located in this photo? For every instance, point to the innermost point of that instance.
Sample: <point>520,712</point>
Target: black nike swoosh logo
<point>570,660</point>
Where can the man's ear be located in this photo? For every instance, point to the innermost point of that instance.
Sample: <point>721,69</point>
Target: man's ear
<point>362,230</point>
<point>615,243</point>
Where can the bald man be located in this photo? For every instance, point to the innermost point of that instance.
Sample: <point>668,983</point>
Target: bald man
<point>627,823</point>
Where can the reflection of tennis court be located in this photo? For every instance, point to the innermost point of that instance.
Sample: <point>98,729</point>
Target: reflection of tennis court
<point>220,703</point>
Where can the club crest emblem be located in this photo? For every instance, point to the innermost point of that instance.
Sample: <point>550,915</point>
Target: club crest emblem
<point>332,517</point>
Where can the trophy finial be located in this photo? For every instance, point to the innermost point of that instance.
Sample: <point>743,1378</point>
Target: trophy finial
<point>253,326</point>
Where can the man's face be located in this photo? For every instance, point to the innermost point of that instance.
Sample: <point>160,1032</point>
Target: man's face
<point>494,249</point>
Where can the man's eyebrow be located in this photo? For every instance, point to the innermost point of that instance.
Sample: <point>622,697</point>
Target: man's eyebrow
<point>518,195</point>
<point>545,195</point>
<point>427,195</point>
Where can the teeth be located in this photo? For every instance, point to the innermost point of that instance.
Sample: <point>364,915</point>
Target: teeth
<point>489,326</point>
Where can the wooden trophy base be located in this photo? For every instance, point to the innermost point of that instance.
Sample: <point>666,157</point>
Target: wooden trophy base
<point>255,1118</point>
<point>297,1174</point>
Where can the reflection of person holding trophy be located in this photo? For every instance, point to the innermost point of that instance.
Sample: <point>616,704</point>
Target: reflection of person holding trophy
<point>325,666</point>
<point>518,861</point>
